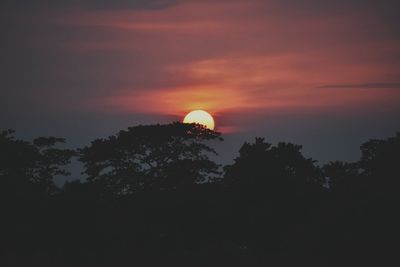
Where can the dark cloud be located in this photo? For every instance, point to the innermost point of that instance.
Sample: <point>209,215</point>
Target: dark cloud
<point>88,4</point>
<point>343,5</point>
<point>364,85</point>
<point>385,10</point>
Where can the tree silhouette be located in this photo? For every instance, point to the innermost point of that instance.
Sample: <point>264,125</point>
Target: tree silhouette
<point>266,167</point>
<point>363,204</point>
<point>31,165</point>
<point>271,208</point>
<point>151,157</point>
<point>379,164</point>
<point>381,157</point>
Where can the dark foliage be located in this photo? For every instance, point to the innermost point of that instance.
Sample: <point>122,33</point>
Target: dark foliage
<point>153,197</point>
<point>28,168</point>
<point>151,157</point>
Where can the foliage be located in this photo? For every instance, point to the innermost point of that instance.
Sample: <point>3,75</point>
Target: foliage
<point>381,157</point>
<point>261,165</point>
<point>272,207</point>
<point>32,165</point>
<point>151,157</point>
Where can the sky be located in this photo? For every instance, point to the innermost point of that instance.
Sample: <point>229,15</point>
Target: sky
<point>324,74</point>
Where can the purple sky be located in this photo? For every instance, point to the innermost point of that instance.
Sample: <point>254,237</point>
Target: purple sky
<point>325,74</point>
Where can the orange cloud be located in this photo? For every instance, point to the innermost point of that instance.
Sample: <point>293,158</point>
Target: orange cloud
<point>240,56</point>
<point>178,101</point>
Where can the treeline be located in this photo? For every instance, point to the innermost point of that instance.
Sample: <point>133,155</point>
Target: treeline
<point>153,197</point>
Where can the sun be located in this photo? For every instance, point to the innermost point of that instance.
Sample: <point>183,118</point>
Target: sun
<point>201,117</point>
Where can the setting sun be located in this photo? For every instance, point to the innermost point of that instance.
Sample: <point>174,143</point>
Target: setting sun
<point>201,117</point>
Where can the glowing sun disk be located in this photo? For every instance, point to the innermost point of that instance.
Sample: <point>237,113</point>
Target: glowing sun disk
<point>201,117</point>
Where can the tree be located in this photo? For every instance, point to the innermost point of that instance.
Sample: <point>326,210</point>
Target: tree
<point>381,157</point>
<point>27,166</point>
<point>265,167</point>
<point>379,164</point>
<point>273,187</point>
<point>151,157</point>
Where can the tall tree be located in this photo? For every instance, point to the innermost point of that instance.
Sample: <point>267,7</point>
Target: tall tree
<point>263,166</point>
<point>381,157</point>
<point>379,165</point>
<point>27,166</point>
<point>151,157</point>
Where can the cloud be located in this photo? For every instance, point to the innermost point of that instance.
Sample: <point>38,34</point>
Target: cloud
<point>386,11</point>
<point>213,55</point>
<point>381,85</point>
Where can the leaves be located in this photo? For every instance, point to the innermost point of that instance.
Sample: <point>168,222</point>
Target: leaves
<point>265,166</point>
<point>33,163</point>
<point>152,156</point>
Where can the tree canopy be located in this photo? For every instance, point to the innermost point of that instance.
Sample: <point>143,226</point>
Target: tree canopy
<point>151,198</point>
<point>151,157</point>
<point>32,165</point>
<point>266,167</point>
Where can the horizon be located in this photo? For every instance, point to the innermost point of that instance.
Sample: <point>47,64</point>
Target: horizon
<point>226,153</point>
<point>325,75</point>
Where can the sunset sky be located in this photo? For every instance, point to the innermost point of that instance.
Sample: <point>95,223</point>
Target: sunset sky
<point>324,74</point>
